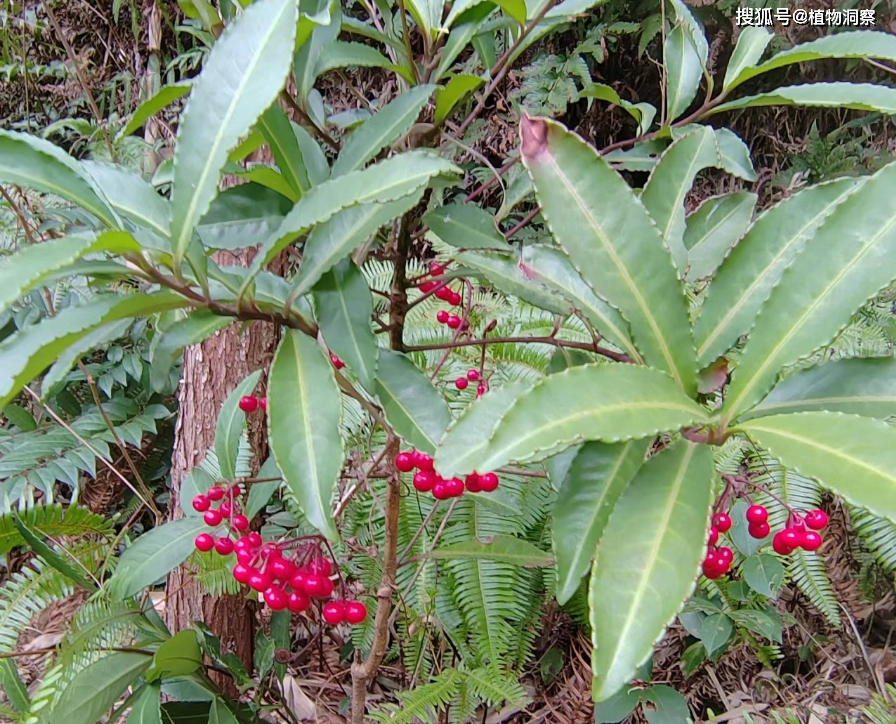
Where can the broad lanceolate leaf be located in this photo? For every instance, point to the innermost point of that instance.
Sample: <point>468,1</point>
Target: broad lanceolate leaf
<point>609,402</point>
<point>453,92</point>
<point>61,563</point>
<point>412,405</point>
<point>638,582</point>
<point>220,713</point>
<point>643,113</point>
<point>168,345</point>
<point>427,14</point>
<point>38,164</point>
<point>855,44</point>
<point>245,71</point>
<point>612,241</point>
<point>178,656</point>
<point>243,216</point>
<point>340,54</point>
<point>305,411</point>
<point>146,110</point>
<point>747,276</point>
<point>382,130</point>
<point>550,266</point>
<point>853,456</point>
<point>95,688</point>
<point>595,480</point>
<point>503,548</point>
<point>28,268</point>
<point>320,23</point>
<point>231,422</point>
<point>857,386</point>
<point>670,182</point>
<point>277,130</point>
<point>344,308</point>
<point>465,226</point>
<point>858,96</point>
<point>146,708</point>
<point>154,555</point>
<point>24,355</point>
<point>751,44</point>
<point>714,229</point>
<point>683,71</point>
<point>389,180</point>
<point>849,259</point>
<point>131,196</point>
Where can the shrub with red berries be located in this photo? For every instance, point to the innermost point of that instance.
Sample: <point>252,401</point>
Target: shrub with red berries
<point>427,480</point>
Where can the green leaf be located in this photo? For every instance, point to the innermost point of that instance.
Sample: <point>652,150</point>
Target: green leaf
<point>24,355</point>
<point>38,164</point>
<point>747,276</point>
<point>193,483</point>
<point>389,180</point>
<point>305,412</point>
<point>643,156</point>
<point>715,632</point>
<point>764,573</point>
<point>593,484</point>
<point>670,182</point>
<point>382,130</point>
<point>427,14</point>
<point>230,426</point>
<point>683,71</point>
<point>668,706</point>
<point>739,534</point>
<point>96,687</point>
<point>178,656</point>
<point>501,548</point>
<point>617,708</point>
<point>453,92</point>
<point>147,109</point>
<point>322,22</point>
<point>220,713</point>
<point>460,36</point>
<point>33,264</point>
<point>851,44</point>
<point>154,555</point>
<point>643,113</point>
<point>751,44</point>
<point>613,242</point>
<point>168,346</point>
<point>243,216</point>
<point>505,272</point>
<point>848,260</point>
<point>857,96</point>
<point>338,237</point>
<point>609,402</point>
<point>84,346</point>
<point>243,75</point>
<point>14,688</point>
<point>638,582</point>
<point>851,455</point>
<point>714,229</point>
<point>412,405</point>
<point>314,156</point>
<point>764,623</point>
<point>550,266</point>
<point>278,132</point>
<point>57,561</point>
<point>465,226</point>
<point>344,308</point>
<point>131,196</point>
<point>20,417</point>
<point>341,54</point>
<point>147,706</point>
<point>264,175</point>
<point>856,386</point>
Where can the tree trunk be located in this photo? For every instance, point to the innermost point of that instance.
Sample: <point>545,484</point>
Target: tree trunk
<point>211,371</point>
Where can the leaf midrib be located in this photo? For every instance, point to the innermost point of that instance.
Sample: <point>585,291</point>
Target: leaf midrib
<point>311,456</point>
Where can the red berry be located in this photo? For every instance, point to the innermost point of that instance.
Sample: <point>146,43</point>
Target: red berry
<point>488,482</point>
<point>224,546</point>
<point>248,403</point>
<point>423,481</point>
<point>320,567</point>
<point>453,321</point>
<point>443,293</point>
<point>427,287</point>
<point>722,521</point>
<point>260,581</point>
<point>480,390</point>
<point>436,269</point>
<point>726,555</point>
<point>201,503</point>
<point>756,514</point>
<point>281,568</point>
<point>337,363</point>
<point>242,573</point>
<point>254,539</point>
<point>271,551</point>
<point>442,316</point>
<point>424,463</point>
<point>355,612</point>
<point>242,543</point>
<point>298,601</point>
<point>711,569</point>
<point>224,509</point>
<point>439,491</point>
<point>205,542</point>
<point>240,522</point>
<point>212,518</point>
<point>334,612</point>
<point>461,383</point>
<point>454,299</point>
<point>759,530</point>
<point>298,580</point>
<point>713,535</point>
<point>276,598</point>
<point>454,487</point>
<point>216,493</point>
<point>245,556</point>
<point>791,537</point>
<point>264,404</point>
<point>780,545</point>
<point>817,519</point>
<point>811,541</point>
<point>473,375</point>
<point>404,462</point>
<point>472,483</point>
<point>318,586</point>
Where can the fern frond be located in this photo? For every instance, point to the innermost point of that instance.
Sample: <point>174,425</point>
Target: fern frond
<point>806,570</point>
<point>99,624</point>
<point>214,574</point>
<point>423,703</point>
<point>878,535</point>
<point>25,595</point>
<point>493,686</point>
<point>53,520</point>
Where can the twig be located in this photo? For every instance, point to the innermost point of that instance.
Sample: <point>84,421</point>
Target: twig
<point>306,121</point>
<point>531,215</point>
<point>493,180</point>
<point>19,215</point>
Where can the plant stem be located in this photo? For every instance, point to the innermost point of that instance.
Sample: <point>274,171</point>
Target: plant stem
<point>553,341</point>
<point>306,121</point>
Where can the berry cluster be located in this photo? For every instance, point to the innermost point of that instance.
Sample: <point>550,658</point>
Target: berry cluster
<point>718,559</point>
<point>427,480</point>
<point>250,403</point>
<point>444,293</point>
<point>288,579</point>
<point>801,532</point>
<point>472,375</point>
